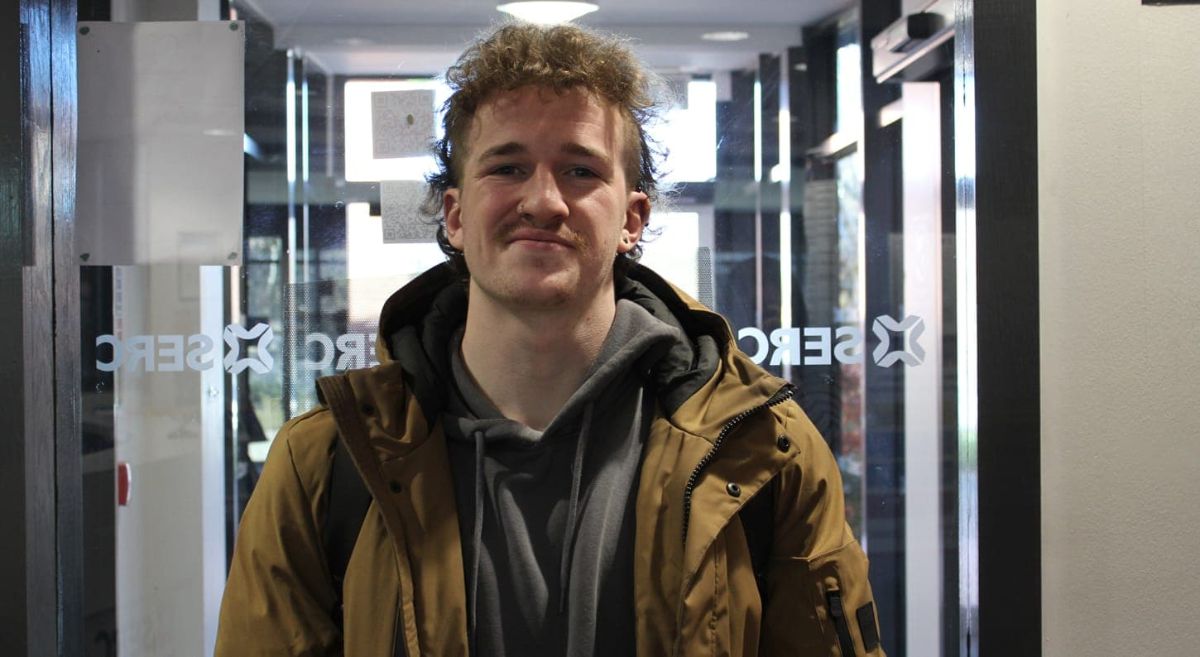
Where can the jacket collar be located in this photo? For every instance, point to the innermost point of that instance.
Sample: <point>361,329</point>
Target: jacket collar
<point>418,319</point>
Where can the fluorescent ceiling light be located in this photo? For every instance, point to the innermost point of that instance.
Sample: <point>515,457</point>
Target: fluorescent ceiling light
<point>547,13</point>
<point>725,36</point>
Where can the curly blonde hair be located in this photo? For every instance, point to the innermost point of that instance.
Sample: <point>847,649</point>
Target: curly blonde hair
<point>558,57</point>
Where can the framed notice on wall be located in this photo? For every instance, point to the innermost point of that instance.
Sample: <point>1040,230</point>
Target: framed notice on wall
<point>161,122</point>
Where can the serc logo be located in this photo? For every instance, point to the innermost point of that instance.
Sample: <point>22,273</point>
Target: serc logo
<point>910,352</point>
<point>824,345</point>
<point>234,334</point>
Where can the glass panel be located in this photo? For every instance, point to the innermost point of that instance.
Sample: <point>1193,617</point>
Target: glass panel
<point>774,219</point>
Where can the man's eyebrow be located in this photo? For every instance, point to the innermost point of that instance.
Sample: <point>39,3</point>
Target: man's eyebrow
<point>503,150</point>
<point>573,148</point>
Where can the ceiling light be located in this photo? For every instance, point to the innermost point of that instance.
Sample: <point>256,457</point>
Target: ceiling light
<point>725,36</point>
<point>547,13</point>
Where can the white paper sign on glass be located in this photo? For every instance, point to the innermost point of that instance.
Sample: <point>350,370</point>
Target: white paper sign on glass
<point>400,203</point>
<point>402,123</point>
<point>161,123</point>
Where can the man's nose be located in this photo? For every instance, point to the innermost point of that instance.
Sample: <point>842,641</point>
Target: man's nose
<point>543,202</point>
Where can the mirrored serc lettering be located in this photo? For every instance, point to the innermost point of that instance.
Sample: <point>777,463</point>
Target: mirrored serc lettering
<point>238,349</point>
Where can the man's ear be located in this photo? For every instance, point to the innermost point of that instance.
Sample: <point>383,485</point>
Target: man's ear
<point>637,215</point>
<point>452,211</point>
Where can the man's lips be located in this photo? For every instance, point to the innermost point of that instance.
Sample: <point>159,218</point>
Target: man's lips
<point>538,237</point>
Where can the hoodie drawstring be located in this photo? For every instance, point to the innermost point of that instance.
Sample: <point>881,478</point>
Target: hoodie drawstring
<point>476,533</point>
<point>573,507</point>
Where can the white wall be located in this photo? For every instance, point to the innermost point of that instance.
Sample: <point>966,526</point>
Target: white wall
<point>1119,176</point>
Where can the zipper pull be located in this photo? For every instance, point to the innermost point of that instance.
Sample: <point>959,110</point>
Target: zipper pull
<point>838,614</point>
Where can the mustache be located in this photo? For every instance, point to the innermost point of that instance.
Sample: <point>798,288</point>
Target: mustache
<point>564,232</point>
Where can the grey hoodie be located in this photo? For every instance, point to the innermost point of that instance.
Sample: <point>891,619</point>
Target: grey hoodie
<point>547,516</point>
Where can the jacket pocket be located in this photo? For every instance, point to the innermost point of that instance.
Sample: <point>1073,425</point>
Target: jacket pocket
<point>838,581</point>
<point>821,606</point>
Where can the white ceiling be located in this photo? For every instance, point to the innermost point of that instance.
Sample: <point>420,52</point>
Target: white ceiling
<point>405,37</point>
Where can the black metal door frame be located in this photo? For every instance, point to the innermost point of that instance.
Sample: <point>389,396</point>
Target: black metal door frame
<point>41,557</point>
<point>995,66</point>
<point>40,484</point>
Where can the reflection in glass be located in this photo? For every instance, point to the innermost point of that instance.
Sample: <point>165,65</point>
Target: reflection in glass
<point>849,312</point>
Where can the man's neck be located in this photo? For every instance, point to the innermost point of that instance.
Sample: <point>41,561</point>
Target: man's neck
<point>530,362</point>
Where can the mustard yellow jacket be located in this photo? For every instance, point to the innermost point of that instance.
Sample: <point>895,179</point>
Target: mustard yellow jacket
<point>694,594</point>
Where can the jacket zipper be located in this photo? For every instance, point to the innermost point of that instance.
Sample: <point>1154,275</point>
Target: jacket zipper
<point>838,614</point>
<point>785,393</point>
<point>399,646</point>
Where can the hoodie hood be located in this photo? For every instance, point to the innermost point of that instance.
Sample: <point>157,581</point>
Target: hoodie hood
<point>419,320</point>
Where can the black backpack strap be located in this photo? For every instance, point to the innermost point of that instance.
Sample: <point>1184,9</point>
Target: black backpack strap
<point>346,505</point>
<point>349,495</point>
<point>758,523</point>
<point>347,498</point>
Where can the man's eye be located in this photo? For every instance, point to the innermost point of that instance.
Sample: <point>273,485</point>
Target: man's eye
<point>505,170</point>
<point>581,172</point>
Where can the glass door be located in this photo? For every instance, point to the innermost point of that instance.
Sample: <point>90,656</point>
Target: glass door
<point>250,175</point>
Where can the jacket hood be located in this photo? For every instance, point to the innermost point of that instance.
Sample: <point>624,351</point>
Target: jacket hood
<point>418,320</point>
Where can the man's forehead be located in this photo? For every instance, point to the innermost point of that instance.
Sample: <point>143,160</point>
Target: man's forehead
<point>509,98</point>
<point>527,105</point>
<point>529,102</point>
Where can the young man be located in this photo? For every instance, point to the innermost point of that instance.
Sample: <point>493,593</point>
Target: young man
<point>560,448</point>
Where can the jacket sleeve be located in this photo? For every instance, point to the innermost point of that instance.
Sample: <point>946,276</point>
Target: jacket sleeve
<point>279,597</point>
<point>819,600</point>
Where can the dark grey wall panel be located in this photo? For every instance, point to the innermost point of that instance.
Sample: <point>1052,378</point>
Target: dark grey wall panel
<point>67,433</point>
<point>27,483</point>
